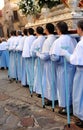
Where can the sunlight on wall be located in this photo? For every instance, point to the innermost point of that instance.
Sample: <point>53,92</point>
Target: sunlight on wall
<point>1,4</point>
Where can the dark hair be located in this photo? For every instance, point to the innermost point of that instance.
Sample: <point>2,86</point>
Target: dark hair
<point>39,30</point>
<point>19,32</point>
<point>62,26</point>
<point>50,28</point>
<point>80,24</point>
<point>0,40</point>
<point>14,32</point>
<point>25,31</point>
<point>31,31</point>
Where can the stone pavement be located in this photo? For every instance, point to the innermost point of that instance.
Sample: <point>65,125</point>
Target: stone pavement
<point>20,111</point>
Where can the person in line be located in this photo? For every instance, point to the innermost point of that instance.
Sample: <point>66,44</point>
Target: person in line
<point>46,73</point>
<point>4,59</point>
<point>18,53</point>
<point>26,54</point>
<point>12,68</point>
<point>76,58</point>
<point>67,42</point>
<point>23,74</point>
<point>37,46</point>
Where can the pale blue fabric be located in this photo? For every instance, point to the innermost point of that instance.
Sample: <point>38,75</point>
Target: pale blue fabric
<point>36,83</point>
<point>29,71</point>
<point>44,56</point>
<point>61,87</point>
<point>0,58</point>
<point>19,65</point>
<point>47,80</point>
<point>66,42</point>
<point>78,93</point>
<point>12,64</point>
<point>24,74</point>
<point>54,57</point>
<point>7,58</point>
<point>36,46</point>
<point>38,68</point>
<point>46,73</point>
<point>4,58</point>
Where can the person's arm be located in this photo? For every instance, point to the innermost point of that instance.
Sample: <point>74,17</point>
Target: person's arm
<point>66,54</point>
<point>54,57</point>
<point>34,52</point>
<point>43,56</point>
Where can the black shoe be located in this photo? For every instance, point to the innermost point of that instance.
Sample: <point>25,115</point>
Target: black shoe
<point>79,123</point>
<point>25,86</point>
<point>71,110</point>
<point>62,111</point>
<point>48,103</point>
<point>11,80</point>
<point>6,68</point>
<point>2,68</point>
<point>38,95</point>
<point>56,102</point>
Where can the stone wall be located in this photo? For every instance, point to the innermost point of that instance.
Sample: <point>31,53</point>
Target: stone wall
<point>9,22</point>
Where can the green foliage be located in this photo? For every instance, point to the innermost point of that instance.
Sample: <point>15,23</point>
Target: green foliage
<point>49,3</point>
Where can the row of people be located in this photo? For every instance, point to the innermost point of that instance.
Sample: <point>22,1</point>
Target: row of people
<point>37,61</point>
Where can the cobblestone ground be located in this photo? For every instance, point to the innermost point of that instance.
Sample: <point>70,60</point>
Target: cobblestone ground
<point>20,111</point>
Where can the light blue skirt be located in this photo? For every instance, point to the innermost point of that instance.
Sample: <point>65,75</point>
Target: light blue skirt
<point>24,74</point>
<point>78,93</point>
<point>61,87</point>
<point>47,80</point>
<point>38,76</point>
<point>12,64</point>
<point>19,65</point>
